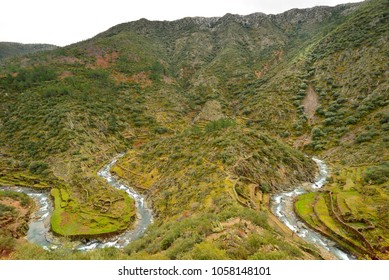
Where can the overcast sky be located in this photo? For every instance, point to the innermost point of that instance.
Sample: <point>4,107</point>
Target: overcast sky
<point>62,22</point>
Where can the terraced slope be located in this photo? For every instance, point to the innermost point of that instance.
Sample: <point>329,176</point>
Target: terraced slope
<point>215,114</point>
<point>353,210</point>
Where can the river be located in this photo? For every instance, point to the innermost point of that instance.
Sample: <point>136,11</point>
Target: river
<point>282,207</point>
<point>144,214</point>
<point>39,226</point>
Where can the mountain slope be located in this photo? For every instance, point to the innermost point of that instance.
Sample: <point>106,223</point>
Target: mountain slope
<point>215,114</point>
<point>8,49</point>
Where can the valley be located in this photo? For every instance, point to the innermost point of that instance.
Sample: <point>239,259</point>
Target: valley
<point>213,119</point>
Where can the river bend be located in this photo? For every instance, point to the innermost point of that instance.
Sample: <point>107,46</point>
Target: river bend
<point>39,226</point>
<point>282,206</point>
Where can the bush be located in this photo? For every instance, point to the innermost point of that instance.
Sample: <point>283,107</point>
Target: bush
<point>330,121</point>
<point>55,91</point>
<point>377,174</point>
<point>219,124</point>
<point>160,130</point>
<point>29,77</point>
<point>7,243</point>
<point>207,251</point>
<point>384,119</point>
<point>351,120</point>
<point>37,167</point>
<point>317,133</point>
<point>366,137</point>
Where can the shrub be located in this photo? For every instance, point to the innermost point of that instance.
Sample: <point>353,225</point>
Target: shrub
<point>160,130</point>
<point>320,111</point>
<point>366,137</point>
<point>7,243</point>
<point>37,167</point>
<point>377,174</point>
<point>351,120</point>
<point>317,133</point>
<point>330,121</point>
<point>29,77</point>
<point>55,91</point>
<point>219,124</point>
<point>207,251</point>
<point>385,127</point>
<point>384,119</point>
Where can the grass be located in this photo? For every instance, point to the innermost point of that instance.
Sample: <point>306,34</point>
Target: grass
<point>72,219</point>
<point>139,87</point>
<point>358,205</point>
<point>304,208</point>
<point>24,180</point>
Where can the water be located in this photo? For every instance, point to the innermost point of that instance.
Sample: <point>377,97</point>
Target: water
<point>39,226</point>
<point>144,214</point>
<point>282,207</point>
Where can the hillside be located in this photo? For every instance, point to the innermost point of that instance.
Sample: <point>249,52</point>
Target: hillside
<point>215,115</point>
<point>8,49</point>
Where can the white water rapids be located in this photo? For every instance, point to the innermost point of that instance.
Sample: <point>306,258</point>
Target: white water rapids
<point>282,207</point>
<point>144,215</point>
<point>39,226</point>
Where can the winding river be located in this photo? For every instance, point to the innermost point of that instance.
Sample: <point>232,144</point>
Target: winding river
<point>144,214</point>
<point>282,207</point>
<point>39,227</point>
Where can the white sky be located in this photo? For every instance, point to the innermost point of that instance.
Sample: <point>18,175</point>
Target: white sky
<point>62,22</point>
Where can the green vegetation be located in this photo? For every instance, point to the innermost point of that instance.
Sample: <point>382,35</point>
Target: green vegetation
<point>214,115</point>
<point>377,174</point>
<point>71,218</point>
<point>8,49</point>
<point>15,210</point>
<point>353,210</point>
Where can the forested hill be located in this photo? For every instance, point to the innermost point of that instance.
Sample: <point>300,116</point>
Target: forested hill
<point>8,49</point>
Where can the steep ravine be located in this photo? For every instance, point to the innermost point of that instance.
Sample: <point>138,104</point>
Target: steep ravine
<point>282,207</point>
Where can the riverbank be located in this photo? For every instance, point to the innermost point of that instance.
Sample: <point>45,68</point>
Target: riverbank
<point>39,227</point>
<point>282,206</point>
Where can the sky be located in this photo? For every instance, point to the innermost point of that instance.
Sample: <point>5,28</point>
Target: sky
<point>63,22</point>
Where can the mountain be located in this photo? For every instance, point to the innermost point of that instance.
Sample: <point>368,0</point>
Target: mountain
<point>215,115</point>
<point>8,49</point>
